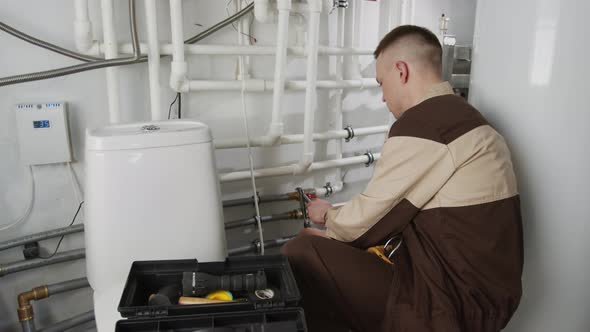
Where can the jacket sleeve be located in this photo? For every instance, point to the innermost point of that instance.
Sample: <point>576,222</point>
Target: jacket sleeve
<point>410,172</point>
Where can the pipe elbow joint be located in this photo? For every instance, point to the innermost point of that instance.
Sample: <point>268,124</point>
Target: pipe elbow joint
<point>270,140</point>
<point>178,79</point>
<point>25,309</point>
<point>304,165</point>
<point>275,132</point>
<point>25,313</point>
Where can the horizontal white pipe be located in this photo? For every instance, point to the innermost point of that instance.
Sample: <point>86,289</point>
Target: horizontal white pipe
<point>258,173</point>
<point>335,84</point>
<point>335,134</point>
<point>298,138</point>
<point>258,85</point>
<point>320,165</point>
<point>203,49</point>
<point>289,170</point>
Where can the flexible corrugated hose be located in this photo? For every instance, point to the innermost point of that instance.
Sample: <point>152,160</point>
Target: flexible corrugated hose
<point>43,75</point>
<point>136,58</point>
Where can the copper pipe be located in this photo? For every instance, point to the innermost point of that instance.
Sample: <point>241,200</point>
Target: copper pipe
<point>294,196</point>
<point>25,308</point>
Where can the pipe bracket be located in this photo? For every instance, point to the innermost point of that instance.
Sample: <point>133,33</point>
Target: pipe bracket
<point>329,189</point>
<point>350,132</point>
<point>371,158</point>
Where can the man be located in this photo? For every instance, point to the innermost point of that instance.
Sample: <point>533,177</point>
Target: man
<point>444,193</point>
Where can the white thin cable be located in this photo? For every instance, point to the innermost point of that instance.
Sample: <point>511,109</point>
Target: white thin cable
<point>29,207</point>
<point>251,162</point>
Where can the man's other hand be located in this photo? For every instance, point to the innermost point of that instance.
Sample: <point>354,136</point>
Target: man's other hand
<point>317,209</point>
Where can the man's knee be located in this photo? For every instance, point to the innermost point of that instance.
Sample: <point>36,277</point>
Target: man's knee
<point>299,249</point>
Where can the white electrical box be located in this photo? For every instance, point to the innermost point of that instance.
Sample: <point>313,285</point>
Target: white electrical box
<point>43,133</point>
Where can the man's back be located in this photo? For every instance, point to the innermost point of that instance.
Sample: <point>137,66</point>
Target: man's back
<point>460,266</point>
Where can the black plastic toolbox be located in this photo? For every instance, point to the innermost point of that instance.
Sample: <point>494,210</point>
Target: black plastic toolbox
<point>253,314</point>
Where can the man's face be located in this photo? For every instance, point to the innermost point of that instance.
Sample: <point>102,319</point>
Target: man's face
<point>389,80</point>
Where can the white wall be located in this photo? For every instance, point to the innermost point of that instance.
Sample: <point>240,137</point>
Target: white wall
<point>86,95</point>
<point>530,75</point>
<point>461,13</point>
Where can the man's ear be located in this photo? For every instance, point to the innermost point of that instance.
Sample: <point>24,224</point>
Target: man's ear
<point>403,71</point>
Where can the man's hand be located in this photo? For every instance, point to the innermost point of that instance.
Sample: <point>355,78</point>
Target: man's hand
<point>313,231</point>
<point>317,209</point>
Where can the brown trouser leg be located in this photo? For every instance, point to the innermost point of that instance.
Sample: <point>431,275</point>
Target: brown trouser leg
<point>343,287</point>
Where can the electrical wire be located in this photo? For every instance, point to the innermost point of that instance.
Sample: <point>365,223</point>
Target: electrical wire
<point>78,193</point>
<point>62,237</point>
<point>221,24</point>
<point>251,38</point>
<point>179,105</point>
<point>171,104</point>
<point>250,160</point>
<point>29,207</point>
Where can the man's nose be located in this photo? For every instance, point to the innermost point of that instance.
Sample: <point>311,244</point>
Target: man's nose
<point>382,98</point>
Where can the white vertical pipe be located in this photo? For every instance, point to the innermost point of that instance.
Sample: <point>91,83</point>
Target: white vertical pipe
<point>153,59</point>
<point>177,30</point>
<point>110,52</point>
<point>389,15</point>
<point>315,8</point>
<point>262,11</point>
<point>351,62</point>
<point>178,70</point>
<point>336,122</point>
<point>82,26</point>
<point>243,39</point>
<point>358,10</point>
<point>81,10</point>
<point>407,12</point>
<point>276,126</point>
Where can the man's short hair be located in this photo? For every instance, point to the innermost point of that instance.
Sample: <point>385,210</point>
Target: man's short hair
<point>431,50</point>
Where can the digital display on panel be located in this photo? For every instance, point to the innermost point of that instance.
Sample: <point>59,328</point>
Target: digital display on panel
<point>41,124</point>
